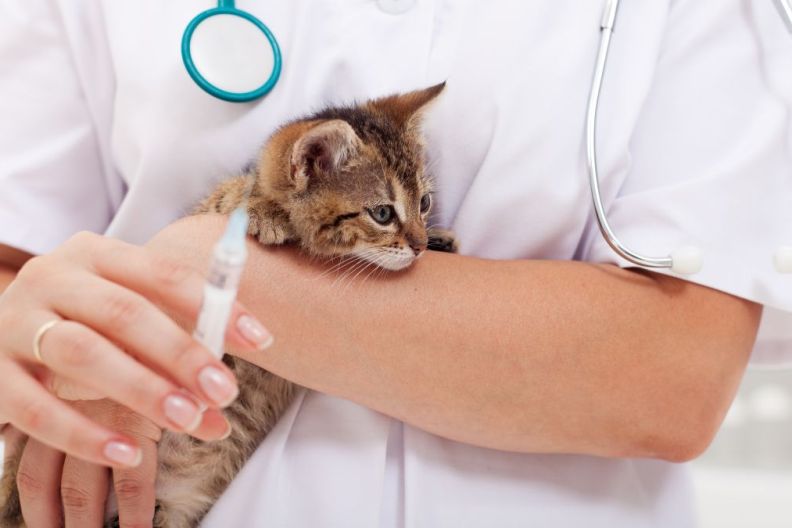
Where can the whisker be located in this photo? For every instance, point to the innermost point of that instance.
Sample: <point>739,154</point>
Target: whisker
<point>342,261</point>
<point>378,270</point>
<point>352,264</point>
<point>352,280</point>
<point>350,271</point>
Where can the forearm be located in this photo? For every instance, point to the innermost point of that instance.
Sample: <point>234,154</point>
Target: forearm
<point>557,357</point>
<point>6,277</point>
<point>10,261</point>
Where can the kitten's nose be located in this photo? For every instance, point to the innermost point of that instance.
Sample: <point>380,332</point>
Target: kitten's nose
<point>417,243</point>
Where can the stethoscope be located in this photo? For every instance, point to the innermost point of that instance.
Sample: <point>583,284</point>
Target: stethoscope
<point>233,56</point>
<point>684,260</point>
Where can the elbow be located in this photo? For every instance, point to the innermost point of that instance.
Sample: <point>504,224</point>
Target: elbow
<point>677,420</point>
<point>678,445</point>
<point>679,433</point>
<point>682,430</point>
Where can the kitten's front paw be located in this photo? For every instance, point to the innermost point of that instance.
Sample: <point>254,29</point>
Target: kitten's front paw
<point>442,240</point>
<point>269,230</point>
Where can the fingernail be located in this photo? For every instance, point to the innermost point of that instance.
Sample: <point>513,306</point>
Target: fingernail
<point>182,412</point>
<point>228,432</point>
<point>254,332</point>
<point>217,386</point>
<point>123,453</point>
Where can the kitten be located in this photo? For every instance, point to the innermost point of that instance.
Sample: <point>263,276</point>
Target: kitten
<point>344,182</point>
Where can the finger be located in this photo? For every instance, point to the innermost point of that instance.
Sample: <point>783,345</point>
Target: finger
<point>84,488</point>
<point>214,426</point>
<point>79,353</point>
<point>141,328</point>
<point>134,488</point>
<point>41,415</point>
<point>38,481</point>
<point>176,286</point>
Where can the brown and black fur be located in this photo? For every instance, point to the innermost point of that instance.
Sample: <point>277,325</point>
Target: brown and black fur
<point>316,181</point>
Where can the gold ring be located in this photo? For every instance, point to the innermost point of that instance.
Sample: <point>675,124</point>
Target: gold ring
<point>46,327</point>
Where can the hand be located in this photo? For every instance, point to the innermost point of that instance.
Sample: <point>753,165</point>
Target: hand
<point>54,488</point>
<point>111,340</point>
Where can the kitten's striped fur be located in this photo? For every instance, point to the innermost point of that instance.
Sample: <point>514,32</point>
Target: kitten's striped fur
<point>320,182</point>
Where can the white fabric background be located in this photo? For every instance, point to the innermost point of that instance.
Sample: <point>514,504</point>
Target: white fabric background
<point>102,129</point>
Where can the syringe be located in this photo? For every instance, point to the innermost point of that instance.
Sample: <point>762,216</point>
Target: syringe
<point>220,290</point>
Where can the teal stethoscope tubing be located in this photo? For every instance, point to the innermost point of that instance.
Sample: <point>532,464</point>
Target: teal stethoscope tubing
<point>228,7</point>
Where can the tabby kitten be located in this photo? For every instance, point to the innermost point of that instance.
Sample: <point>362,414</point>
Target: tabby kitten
<point>344,182</point>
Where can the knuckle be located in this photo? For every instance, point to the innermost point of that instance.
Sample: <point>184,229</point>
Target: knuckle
<point>122,311</point>
<point>83,239</point>
<point>83,244</point>
<point>75,499</point>
<point>12,319</point>
<point>128,422</point>
<point>130,489</point>
<point>124,420</point>
<point>170,272</point>
<point>30,486</point>
<point>188,352</point>
<point>76,349</point>
<point>34,272</point>
<point>33,416</point>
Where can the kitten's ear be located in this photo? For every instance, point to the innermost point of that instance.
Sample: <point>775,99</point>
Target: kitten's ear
<point>321,150</point>
<point>403,109</point>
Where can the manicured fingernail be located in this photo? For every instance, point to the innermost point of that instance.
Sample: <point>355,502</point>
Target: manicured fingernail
<point>254,332</point>
<point>182,412</point>
<point>217,386</point>
<point>228,432</point>
<point>123,453</point>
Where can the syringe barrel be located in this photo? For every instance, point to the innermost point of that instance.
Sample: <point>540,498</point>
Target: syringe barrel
<point>220,291</point>
<point>213,319</point>
<point>225,270</point>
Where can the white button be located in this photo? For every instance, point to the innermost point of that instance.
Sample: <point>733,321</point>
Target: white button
<point>395,7</point>
<point>783,259</point>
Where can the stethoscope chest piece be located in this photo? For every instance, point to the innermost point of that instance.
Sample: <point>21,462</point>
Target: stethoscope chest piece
<point>231,54</point>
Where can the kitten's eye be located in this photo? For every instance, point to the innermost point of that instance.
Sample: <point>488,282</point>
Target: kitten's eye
<point>426,202</point>
<point>382,214</point>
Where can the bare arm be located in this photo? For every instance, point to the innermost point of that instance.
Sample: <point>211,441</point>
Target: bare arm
<point>533,356</point>
<point>54,488</point>
<point>7,275</point>
<point>10,261</point>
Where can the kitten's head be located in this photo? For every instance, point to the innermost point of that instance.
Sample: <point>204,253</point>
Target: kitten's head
<point>358,186</point>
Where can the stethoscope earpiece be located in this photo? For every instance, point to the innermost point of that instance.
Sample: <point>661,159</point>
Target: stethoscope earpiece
<point>687,260</point>
<point>783,259</point>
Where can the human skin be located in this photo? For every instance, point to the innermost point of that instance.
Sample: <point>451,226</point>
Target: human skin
<point>7,274</point>
<point>527,356</point>
<point>94,286</point>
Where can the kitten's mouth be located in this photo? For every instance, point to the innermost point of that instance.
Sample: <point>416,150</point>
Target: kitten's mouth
<point>387,258</point>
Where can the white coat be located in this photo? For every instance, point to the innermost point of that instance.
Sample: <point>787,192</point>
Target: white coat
<point>102,129</point>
